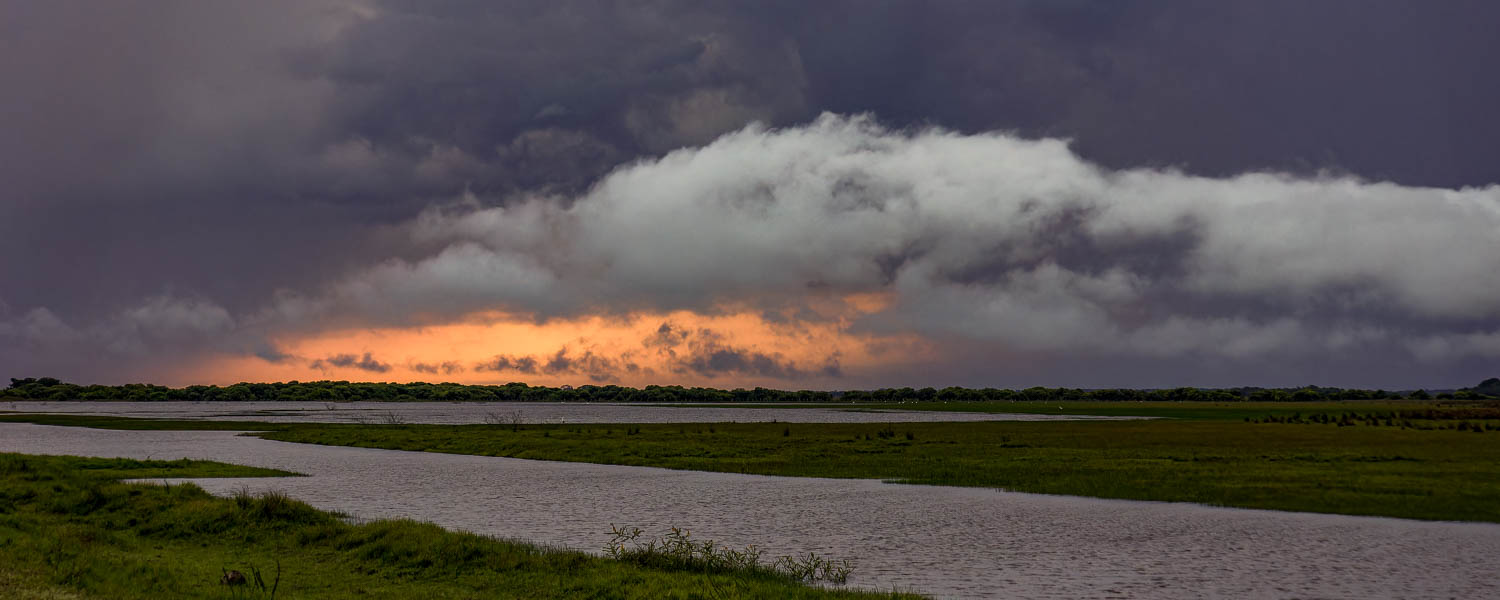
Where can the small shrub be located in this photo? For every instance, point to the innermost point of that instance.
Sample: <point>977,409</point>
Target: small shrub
<point>814,568</point>
<point>676,550</point>
<point>276,507</point>
<point>514,419</point>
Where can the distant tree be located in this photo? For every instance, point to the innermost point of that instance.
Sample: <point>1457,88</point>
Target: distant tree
<point>49,388</point>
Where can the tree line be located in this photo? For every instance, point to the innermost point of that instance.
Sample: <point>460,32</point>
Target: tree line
<point>51,389</point>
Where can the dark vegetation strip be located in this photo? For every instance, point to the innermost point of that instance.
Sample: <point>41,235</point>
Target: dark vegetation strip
<point>1443,474</point>
<point>1475,419</point>
<point>1197,411</point>
<point>51,389</point>
<point>68,529</point>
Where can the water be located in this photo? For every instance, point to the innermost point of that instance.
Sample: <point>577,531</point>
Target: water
<point>527,412</point>
<point>943,541</point>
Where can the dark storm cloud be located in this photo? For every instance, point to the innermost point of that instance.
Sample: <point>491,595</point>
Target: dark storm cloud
<point>1214,88</point>
<point>715,360</point>
<point>565,362</point>
<point>596,367</point>
<point>701,352</point>
<point>155,147</point>
<point>363,363</point>
<point>173,168</point>
<point>445,367</point>
<point>708,353</point>
<point>666,339</point>
<point>503,363</point>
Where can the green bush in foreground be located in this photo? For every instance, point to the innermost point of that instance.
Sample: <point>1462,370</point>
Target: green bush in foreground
<point>68,529</point>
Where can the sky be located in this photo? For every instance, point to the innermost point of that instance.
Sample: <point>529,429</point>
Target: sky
<point>799,195</point>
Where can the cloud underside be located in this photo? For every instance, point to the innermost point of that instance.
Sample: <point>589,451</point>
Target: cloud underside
<point>671,351</point>
<point>985,238</point>
<point>988,241</point>
<point>350,361</point>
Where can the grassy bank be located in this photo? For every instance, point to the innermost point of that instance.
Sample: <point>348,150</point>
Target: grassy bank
<point>1194,411</point>
<point>1447,475</point>
<point>1199,456</point>
<point>69,529</point>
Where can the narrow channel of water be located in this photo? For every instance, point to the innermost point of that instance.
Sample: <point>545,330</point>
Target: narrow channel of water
<point>943,541</point>
<point>452,413</point>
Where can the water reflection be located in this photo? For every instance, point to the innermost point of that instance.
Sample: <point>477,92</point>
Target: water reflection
<point>526,412</point>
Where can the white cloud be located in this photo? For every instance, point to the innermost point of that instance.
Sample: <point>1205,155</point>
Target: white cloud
<point>984,237</point>
<point>990,239</point>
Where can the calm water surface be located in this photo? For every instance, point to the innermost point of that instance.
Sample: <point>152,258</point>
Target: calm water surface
<point>526,412</point>
<point>944,541</point>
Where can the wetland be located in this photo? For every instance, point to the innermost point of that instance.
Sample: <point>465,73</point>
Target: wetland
<point>969,531</point>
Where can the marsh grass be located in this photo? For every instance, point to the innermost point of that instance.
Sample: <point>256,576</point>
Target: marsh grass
<point>677,550</point>
<point>814,568</point>
<point>1475,419</point>
<point>69,529</point>
<point>1387,471</point>
<point>1192,411</point>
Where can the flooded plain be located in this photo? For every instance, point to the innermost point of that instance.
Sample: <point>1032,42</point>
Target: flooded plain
<point>942,541</point>
<point>453,413</point>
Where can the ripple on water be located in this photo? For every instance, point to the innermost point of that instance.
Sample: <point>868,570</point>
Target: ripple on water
<point>452,413</point>
<point>944,541</point>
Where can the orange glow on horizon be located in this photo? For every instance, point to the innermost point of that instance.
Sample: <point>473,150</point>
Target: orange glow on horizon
<point>802,349</point>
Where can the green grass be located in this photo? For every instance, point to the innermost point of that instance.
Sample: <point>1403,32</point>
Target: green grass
<point>1200,452</point>
<point>1446,475</point>
<point>68,529</point>
<point>1197,411</point>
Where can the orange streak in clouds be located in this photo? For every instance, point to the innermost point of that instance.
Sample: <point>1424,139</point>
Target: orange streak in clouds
<point>809,345</point>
